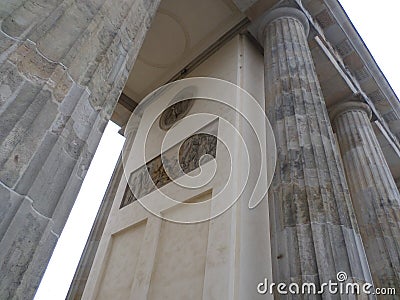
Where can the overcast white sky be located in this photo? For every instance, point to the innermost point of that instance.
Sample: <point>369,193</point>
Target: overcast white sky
<point>377,22</point>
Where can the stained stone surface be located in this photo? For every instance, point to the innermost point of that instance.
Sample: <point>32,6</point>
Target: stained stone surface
<point>63,65</point>
<point>314,233</point>
<point>373,190</point>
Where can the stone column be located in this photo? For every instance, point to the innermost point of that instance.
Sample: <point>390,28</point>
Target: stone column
<point>373,190</point>
<point>314,233</point>
<point>63,65</point>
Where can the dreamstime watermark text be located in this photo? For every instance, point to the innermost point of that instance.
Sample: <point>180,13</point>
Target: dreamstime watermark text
<point>333,287</point>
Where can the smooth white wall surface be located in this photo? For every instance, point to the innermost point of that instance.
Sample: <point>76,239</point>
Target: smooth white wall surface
<point>142,256</point>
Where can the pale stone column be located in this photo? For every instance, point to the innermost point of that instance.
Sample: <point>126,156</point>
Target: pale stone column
<point>373,190</point>
<point>63,65</point>
<point>314,233</point>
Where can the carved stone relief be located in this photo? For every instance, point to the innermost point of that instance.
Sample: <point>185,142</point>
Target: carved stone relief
<point>174,113</point>
<point>181,159</point>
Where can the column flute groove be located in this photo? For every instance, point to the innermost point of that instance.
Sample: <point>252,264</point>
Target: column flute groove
<point>302,97</point>
<point>359,160</point>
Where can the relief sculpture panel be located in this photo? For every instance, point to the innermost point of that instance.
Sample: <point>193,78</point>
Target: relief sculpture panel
<point>181,159</point>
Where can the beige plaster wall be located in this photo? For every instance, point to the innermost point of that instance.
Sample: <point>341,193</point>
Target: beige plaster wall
<point>141,256</point>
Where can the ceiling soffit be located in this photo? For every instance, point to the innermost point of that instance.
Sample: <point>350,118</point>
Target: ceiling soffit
<point>180,32</point>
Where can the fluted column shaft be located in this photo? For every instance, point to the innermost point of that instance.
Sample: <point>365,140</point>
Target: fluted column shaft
<point>313,227</point>
<point>373,190</point>
<point>63,65</point>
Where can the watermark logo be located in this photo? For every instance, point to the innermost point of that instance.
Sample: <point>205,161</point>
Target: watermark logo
<point>193,134</point>
<point>340,286</point>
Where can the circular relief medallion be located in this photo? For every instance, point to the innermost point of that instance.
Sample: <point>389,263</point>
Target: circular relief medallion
<point>174,113</point>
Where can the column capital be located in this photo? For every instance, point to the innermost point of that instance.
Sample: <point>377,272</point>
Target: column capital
<point>282,12</point>
<point>347,106</point>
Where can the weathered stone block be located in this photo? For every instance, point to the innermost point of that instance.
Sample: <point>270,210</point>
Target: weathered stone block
<point>9,204</point>
<point>6,7</point>
<point>18,248</point>
<point>10,82</point>
<point>36,163</point>
<point>33,65</point>
<point>50,181</point>
<point>24,138</point>
<point>15,109</point>
<point>68,28</point>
